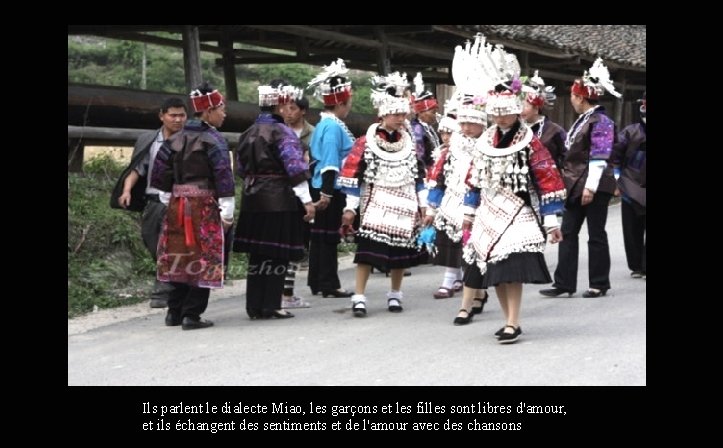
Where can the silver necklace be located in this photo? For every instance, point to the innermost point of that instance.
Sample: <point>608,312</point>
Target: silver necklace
<point>430,133</point>
<point>542,125</point>
<point>578,125</point>
<point>341,123</point>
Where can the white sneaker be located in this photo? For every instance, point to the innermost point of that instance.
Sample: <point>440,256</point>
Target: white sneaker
<point>359,305</point>
<point>294,302</point>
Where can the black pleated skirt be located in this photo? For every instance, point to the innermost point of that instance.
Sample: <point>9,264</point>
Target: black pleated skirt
<point>384,257</point>
<point>273,235</point>
<point>449,253</point>
<point>526,267</point>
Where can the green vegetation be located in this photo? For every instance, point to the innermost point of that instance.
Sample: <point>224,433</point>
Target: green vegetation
<point>96,60</point>
<point>108,265</point>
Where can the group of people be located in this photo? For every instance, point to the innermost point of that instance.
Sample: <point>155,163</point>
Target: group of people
<point>484,200</point>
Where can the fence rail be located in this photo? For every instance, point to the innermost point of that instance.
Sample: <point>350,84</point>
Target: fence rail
<point>81,136</point>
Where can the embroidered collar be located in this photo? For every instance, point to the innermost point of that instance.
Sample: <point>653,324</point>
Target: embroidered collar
<point>486,143</point>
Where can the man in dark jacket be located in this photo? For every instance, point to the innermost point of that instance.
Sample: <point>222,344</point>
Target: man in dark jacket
<point>173,116</point>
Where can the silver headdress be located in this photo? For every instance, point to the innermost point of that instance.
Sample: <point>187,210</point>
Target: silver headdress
<point>536,93</point>
<point>449,123</point>
<point>423,100</point>
<point>283,94</point>
<point>595,82</point>
<point>470,95</point>
<point>598,77</point>
<point>388,94</point>
<point>418,85</point>
<point>481,69</point>
<point>330,84</point>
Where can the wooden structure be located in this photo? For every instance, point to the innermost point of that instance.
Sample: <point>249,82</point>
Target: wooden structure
<point>559,52</point>
<point>94,111</point>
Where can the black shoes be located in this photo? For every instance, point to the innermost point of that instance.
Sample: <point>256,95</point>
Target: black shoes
<point>554,292</point>
<point>459,320</point>
<point>508,338</point>
<point>172,320</point>
<point>190,323</point>
<point>159,303</point>
<point>276,314</point>
<point>482,302</point>
<point>255,314</point>
<point>336,293</point>
<point>592,292</point>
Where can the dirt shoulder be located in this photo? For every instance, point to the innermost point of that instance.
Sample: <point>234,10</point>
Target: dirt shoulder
<point>235,288</point>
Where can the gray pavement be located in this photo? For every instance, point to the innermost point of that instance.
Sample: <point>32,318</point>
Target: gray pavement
<point>566,341</point>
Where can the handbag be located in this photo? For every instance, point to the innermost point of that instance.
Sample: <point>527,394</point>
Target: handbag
<point>138,192</point>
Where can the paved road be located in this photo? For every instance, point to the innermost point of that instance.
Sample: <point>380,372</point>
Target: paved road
<point>566,341</point>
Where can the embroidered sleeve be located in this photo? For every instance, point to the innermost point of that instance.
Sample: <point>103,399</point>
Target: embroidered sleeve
<point>436,171</point>
<point>418,135</point>
<point>602,136</point>
<point>435,178</point>
<point>422,195</point>
<point>434,197</point>
<point>472,177</point>
<point>292,156</point>
<point>220,161</point>
<point>547,179</point>
<point>352,171</point>
<point>472,198</point>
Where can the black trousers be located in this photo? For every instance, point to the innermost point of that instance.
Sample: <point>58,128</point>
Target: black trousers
<point>264,284</point>
<point>323,264</point>
<point>596,214</point>
<point>185,300</point>
<point>634,235</point>
<point>151,223</point>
